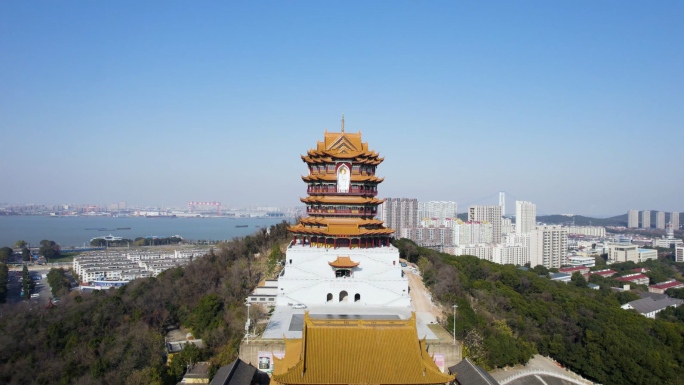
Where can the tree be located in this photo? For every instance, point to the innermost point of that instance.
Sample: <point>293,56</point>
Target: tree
<point>5,254</point>
<point>578,279</point>
<point>59,283</point>
<point>49,249</point>
<point>273,259</point>
<point>20,244</point>
<point>189,355</point>
<point>4,276</point>
<point>26,282</point>
<point>25,254</point>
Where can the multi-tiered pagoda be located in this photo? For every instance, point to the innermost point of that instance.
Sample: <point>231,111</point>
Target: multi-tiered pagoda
<point>342,187</point>
<point>341,254</point>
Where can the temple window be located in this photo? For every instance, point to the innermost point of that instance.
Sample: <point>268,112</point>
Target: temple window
<point>329,297</point>
<point>344,296</point>
<point>342,273</point>
<point>357,297</point>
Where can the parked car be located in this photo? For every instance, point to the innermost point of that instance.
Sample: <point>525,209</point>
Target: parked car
<point>299,306</point>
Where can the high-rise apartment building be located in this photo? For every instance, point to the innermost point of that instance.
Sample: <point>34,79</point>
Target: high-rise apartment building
<point>674,219</point>
<point>646,219</point>
<point>548,246</point>
<point>471,233</point>
<point>633,219</point>
<point>525,217</point>
<point>400,213</point>
<point>491,214</point>
<point>660,220</point>
<point>439,210</point>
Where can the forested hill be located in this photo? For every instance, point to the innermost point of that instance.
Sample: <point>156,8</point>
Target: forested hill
<point>117,336</point>
<point>579,220</point>
<point>505,315</point>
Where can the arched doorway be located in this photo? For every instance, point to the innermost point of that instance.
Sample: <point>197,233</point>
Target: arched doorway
<point>357,297</point>
<point>328,298</point>
<point>344,296</point>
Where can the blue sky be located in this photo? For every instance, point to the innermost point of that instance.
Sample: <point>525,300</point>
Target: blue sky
<point>576,106</point>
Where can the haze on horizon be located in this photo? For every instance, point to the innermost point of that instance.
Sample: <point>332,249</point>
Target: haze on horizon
<point>575,106</point>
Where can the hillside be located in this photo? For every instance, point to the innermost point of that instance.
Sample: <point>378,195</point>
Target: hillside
<point>505,315</point>
<point>117,336</point>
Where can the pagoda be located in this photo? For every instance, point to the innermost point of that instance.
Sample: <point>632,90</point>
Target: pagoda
<point>340,254</point>
<point>342,189</point>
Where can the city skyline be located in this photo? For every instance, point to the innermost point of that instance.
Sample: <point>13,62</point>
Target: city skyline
<point>165,104</point>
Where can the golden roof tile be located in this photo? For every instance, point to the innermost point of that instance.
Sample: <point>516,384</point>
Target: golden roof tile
<point>343,262</point>
<point>333,178</point>
<point>358,352</point>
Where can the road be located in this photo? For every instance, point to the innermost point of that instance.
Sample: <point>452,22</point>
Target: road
<point>420,296</point>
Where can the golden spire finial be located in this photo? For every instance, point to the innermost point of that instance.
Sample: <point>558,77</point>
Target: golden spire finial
<point>342,122</point>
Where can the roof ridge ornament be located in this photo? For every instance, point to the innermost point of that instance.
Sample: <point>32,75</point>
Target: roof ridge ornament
<point>343,122</point>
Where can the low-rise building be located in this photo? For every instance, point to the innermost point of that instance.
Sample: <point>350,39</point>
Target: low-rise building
<point>593,231</point>
<point>649,306</point>
<point>561,277</point>
<point>265,293</point>
<point>123,267</point>
<point>581,261</point>
<point>636,278</point>
<point>679,253</point>
<point>660,288</point>
<point>571,270</point>
<point>605,273</point>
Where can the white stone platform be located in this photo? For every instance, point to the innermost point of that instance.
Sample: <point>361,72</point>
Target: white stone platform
<point>282,318</point>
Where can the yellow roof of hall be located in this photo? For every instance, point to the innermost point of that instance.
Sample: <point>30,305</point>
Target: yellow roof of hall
<point>358,352</point>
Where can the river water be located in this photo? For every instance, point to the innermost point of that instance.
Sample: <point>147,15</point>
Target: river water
<point>77,231</point>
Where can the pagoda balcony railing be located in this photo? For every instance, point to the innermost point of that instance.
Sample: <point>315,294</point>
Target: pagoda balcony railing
<point>340,212</point>
<point>333,190</point>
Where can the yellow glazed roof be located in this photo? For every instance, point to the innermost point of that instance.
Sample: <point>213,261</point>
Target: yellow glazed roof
<point>333,178</point>
<point>345,145</point>
<point>341,262</point>
<point>357,352</point>
<point>339,229</point>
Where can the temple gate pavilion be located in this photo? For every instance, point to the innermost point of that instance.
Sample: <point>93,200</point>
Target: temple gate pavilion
<point>340,254</point>
<point>357,352</point>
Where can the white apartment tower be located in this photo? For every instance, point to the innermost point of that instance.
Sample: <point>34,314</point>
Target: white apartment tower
<point>646,219</point>
<point>525,217</point>
<point>439,210</point>
<point>548,246</point>
<point>674,219</point>
<point>491,214</point>
<point>471,233</point>
<point>660,220</point>
<point>633,219</point>
<point>400,213</point>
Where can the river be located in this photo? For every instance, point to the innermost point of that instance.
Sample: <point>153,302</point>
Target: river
<point>77,231</point>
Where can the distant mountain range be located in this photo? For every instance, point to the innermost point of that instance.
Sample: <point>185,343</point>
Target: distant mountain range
<point>578,220</point>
